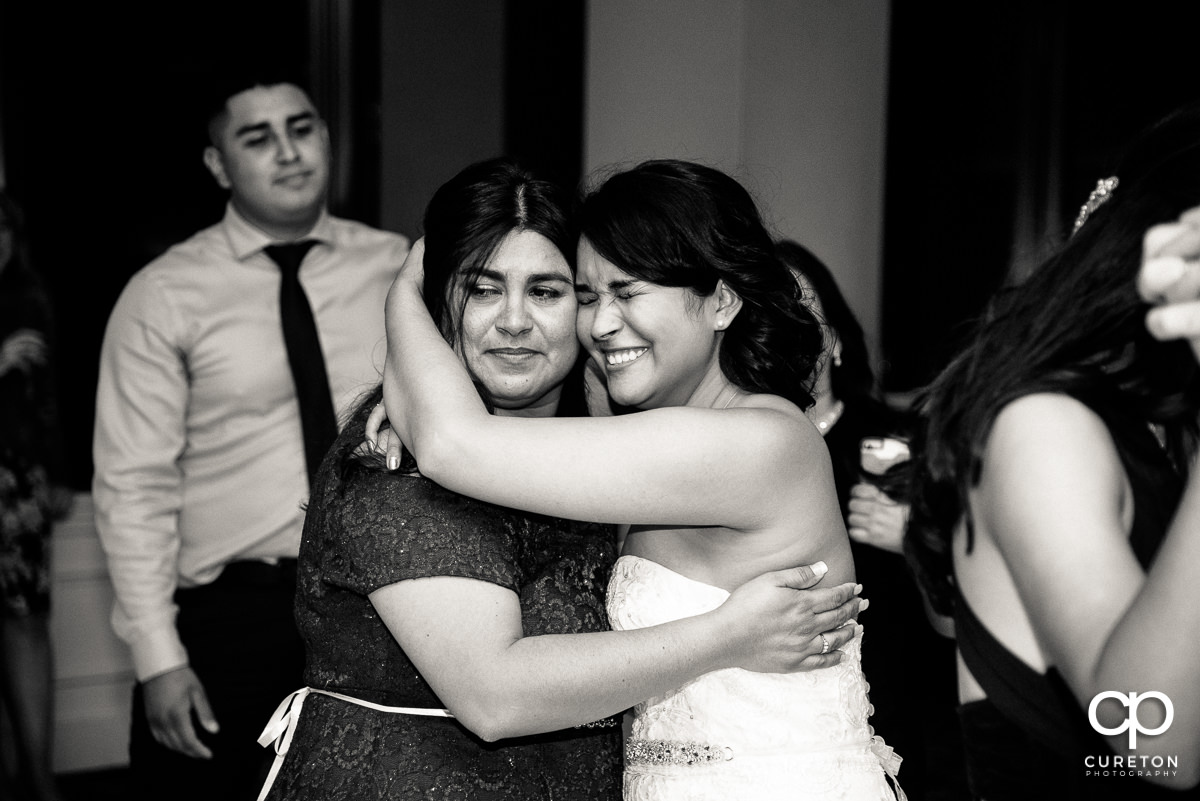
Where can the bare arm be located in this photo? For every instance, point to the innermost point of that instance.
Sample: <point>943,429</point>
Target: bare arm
<point>1053,497</point>
<point>683,466</point>
<point>465,637</point>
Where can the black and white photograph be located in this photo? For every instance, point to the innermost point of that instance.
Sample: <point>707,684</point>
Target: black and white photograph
<point>546,400</point>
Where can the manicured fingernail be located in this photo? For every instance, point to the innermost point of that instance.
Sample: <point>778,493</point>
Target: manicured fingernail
<point>857,589</point>
<point>1171,322</point>
<point>1156,325</point>
<point>865,603</point>
<point>820,568</point>
<point>393,462</point>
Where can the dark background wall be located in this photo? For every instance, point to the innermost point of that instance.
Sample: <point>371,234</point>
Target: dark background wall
<point>471,79</point>
<point>1002,117</point>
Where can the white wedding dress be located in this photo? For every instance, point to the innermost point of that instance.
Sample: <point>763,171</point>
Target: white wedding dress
<point>733,734</point>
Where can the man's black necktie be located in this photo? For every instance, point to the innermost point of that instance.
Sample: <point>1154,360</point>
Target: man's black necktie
<point>317,419</point>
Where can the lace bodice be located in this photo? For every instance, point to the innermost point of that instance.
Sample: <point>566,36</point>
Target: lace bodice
<point>750,735</point>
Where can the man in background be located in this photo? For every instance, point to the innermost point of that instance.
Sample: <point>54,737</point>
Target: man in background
<point>225,365</point>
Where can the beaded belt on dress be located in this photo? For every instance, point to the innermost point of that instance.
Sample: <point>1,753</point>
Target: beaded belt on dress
<point>676,752</point>
<point>282,725</point>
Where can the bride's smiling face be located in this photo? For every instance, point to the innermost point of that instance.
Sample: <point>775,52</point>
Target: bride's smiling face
<point>654,343</point>
<point>518,324</point>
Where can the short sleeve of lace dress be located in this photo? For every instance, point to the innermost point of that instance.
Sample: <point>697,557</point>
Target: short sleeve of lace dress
<point>386,528</point>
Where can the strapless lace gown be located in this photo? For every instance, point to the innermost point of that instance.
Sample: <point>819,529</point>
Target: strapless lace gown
<point>733,734</point>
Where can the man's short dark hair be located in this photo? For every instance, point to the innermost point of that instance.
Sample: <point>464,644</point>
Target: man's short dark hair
<point>218,89</point>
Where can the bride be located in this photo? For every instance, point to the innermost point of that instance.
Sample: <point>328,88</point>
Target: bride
<point>690,320</point>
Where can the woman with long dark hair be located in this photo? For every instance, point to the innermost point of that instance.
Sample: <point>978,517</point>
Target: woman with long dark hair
<point>717,476</point>
<point>458,649</point>
<point>1056,513</point>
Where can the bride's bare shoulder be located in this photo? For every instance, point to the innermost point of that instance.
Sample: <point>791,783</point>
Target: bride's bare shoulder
<point>786,427</point>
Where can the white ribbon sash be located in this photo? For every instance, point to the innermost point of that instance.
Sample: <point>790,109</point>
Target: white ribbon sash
<point>890,761</point>
<point>282,724</point>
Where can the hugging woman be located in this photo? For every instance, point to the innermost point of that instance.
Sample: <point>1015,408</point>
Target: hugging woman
<point>458,648</point>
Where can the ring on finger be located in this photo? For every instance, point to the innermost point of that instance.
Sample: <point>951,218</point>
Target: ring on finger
<point>824,643</point>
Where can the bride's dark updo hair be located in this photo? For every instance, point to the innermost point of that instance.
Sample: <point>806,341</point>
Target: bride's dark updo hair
<point>679,224</point>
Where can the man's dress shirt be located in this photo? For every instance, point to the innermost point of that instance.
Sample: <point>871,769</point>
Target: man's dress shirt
<point>199,455</point>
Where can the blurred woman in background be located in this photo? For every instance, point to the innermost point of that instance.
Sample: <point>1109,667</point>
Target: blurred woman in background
<point>30,501</point>
<point>914,698</point>
<point>1057,515</point>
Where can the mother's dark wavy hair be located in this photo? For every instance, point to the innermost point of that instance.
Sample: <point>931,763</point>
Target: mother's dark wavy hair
<point>470,215</point>
<point>680,224</point>
<point>466,220</point>
<point>1075,326</point>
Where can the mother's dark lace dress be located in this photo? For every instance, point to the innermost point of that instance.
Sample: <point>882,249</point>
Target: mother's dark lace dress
<point>368,529</point>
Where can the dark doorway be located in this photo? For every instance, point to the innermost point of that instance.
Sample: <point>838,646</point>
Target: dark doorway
<point>1002,117</point>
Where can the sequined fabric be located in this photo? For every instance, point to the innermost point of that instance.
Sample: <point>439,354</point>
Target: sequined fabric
<point>373,529</point>
<point>669,752</point>
<point>796,736</point>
